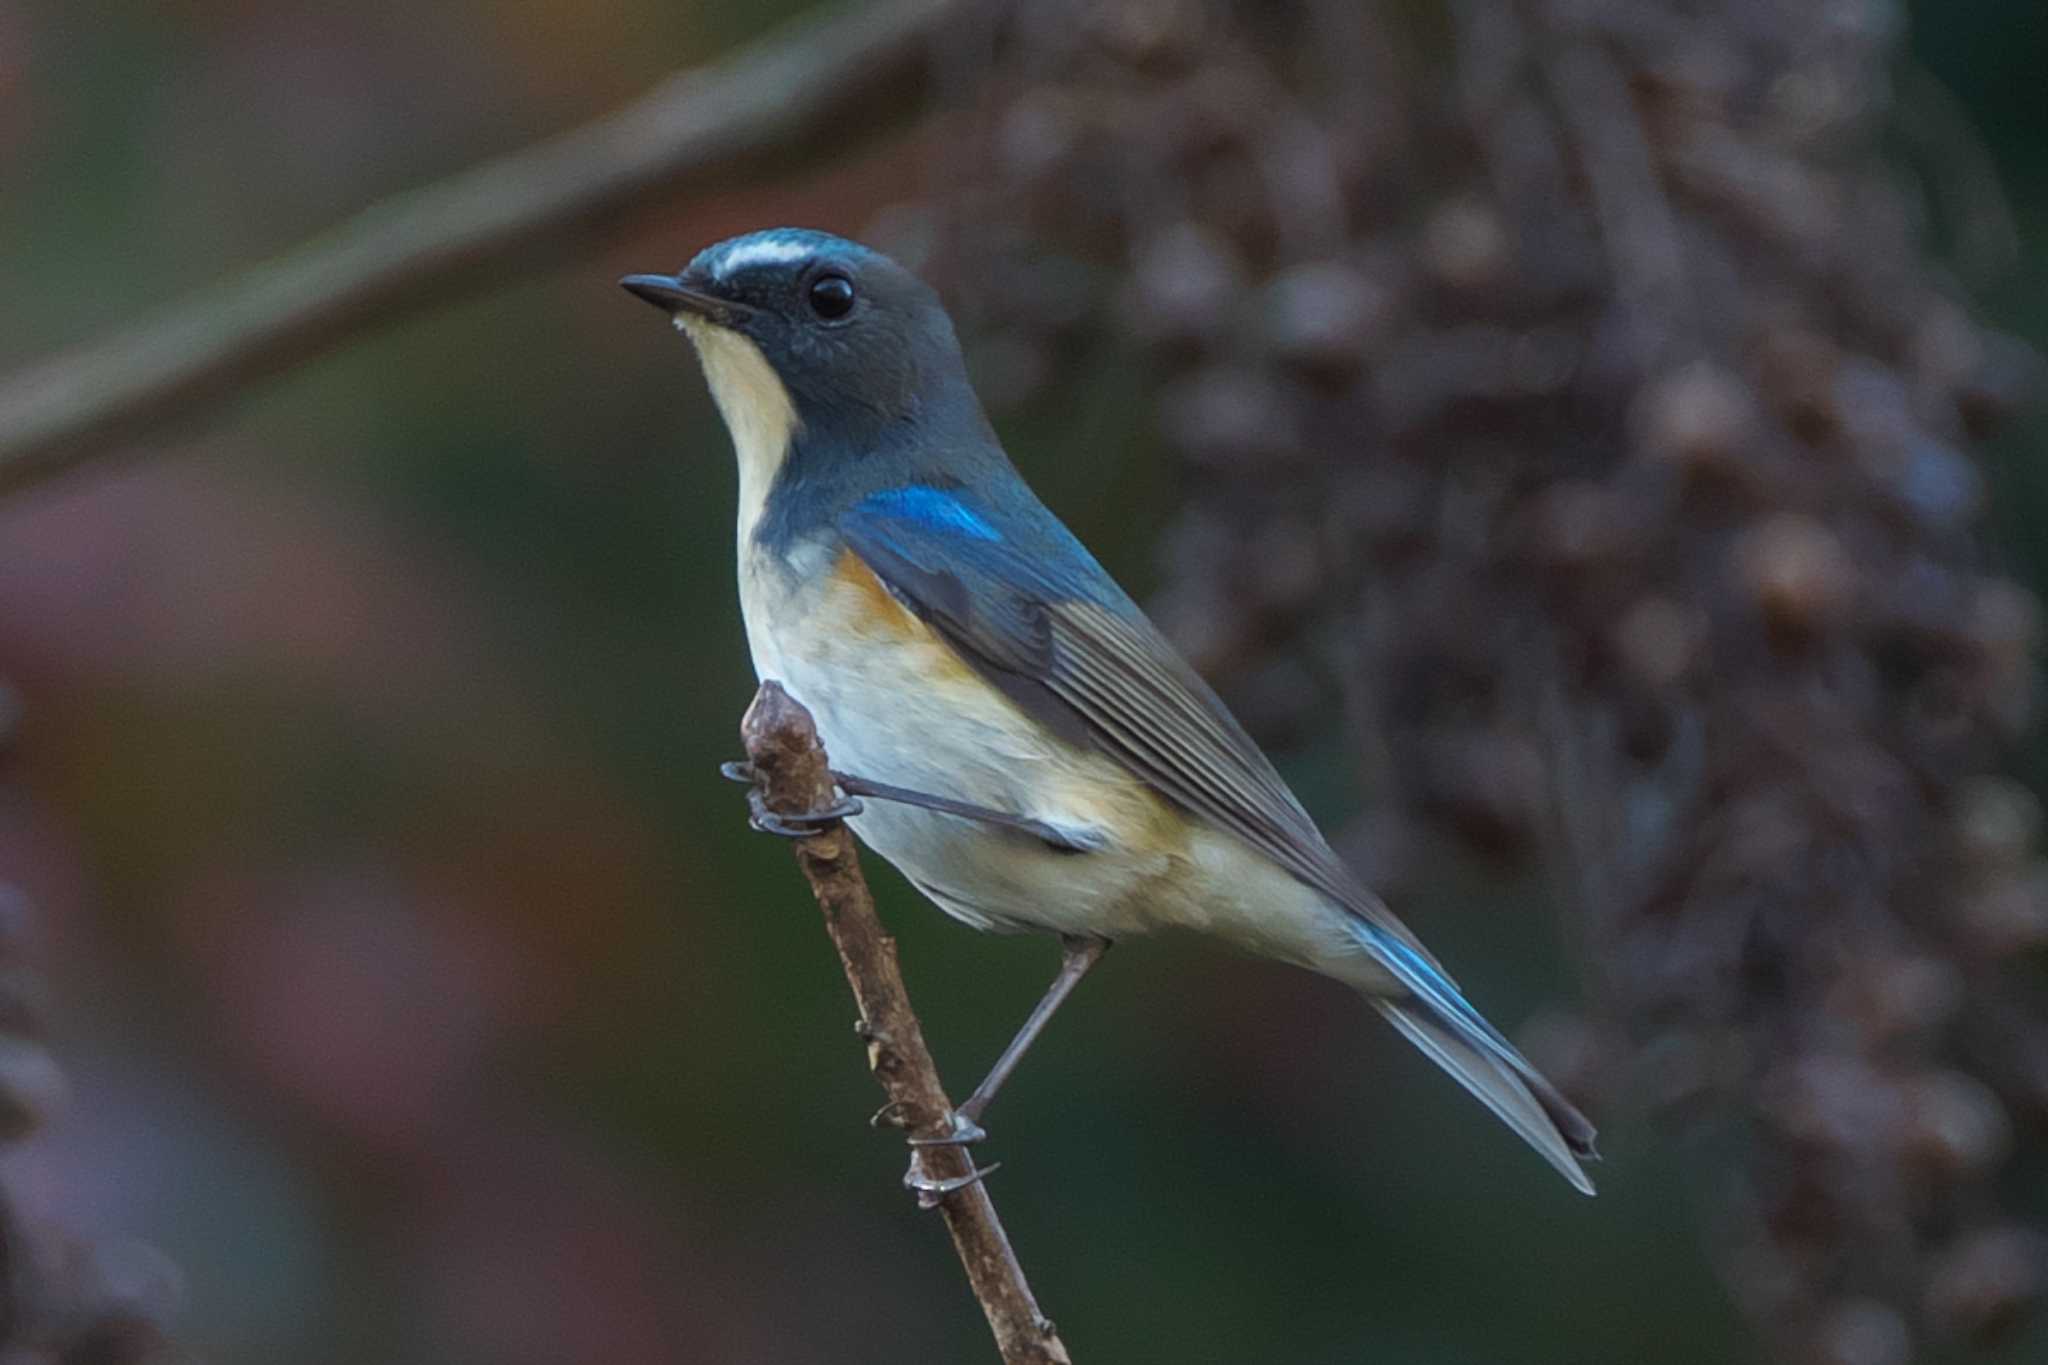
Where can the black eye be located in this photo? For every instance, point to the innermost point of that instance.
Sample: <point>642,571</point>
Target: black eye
<point>831,296</point>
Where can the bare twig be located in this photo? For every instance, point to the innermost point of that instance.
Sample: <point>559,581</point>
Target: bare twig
<point>794,96</point>
<point>793,776</point>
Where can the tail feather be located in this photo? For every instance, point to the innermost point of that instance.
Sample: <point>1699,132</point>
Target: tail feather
<point>1537,1113</point>
<point>1440,1022</point>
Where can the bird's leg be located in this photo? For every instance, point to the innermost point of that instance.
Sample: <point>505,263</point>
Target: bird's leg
<point>795,826</point>
<point>1066,841</point>
<point>1078,953</point>
<point>801,824</point>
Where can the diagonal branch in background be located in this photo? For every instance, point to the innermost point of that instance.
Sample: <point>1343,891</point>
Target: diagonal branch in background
<point>790,98</point>
<point>793,777</point>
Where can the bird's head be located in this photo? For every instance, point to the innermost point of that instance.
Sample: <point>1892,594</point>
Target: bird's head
<point>801,327</point>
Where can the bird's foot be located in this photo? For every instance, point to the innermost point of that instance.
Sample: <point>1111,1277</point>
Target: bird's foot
<point>930,1190</point>
<point>965,1132</point>
<point>802,824</point>
<point>797,825</point>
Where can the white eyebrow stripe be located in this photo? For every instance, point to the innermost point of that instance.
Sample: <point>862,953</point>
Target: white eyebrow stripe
<point>766,251</point>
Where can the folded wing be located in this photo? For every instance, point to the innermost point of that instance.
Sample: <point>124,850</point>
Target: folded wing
<point>1026,605</point>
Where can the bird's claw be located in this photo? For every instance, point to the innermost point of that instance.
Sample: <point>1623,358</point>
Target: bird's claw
<point>965,1132</point>
<point>797,825</point>
<point>929,1191</point>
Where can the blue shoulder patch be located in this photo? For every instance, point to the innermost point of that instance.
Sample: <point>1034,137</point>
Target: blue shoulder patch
<point>933,507</point>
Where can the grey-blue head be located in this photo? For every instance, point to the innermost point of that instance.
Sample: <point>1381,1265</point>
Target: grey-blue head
<point>858,343</point>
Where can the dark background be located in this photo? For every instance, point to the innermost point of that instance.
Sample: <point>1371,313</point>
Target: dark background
<point>423,994</point>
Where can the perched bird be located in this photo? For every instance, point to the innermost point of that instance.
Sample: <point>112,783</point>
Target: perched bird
<point>1034,754</point>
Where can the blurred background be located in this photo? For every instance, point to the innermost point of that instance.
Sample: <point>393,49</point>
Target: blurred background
<point>1586,439</point>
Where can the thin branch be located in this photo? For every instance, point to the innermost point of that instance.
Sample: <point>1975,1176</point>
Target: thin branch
<point>804,92</point>
<point>793,777</point>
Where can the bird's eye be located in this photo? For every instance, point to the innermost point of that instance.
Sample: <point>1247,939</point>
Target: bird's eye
<point>832,296</point>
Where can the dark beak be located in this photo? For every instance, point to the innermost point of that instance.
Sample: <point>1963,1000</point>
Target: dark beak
<point>672,296</point>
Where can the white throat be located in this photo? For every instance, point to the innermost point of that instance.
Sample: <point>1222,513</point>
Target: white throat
<point>756,408</point>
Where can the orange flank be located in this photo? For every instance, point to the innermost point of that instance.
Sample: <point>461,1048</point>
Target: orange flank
<point>872,610</point>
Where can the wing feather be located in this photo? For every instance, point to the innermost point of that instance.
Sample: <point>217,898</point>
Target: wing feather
<point>1086,661</point>
<point>1025,605</point>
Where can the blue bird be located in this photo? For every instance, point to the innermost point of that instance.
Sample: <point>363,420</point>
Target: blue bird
<point>1035,755</point>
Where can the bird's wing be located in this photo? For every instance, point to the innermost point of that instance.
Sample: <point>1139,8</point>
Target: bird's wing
<point>1024,603</point>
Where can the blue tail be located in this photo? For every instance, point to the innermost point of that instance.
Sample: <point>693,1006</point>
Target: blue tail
<point>1438,1020</point>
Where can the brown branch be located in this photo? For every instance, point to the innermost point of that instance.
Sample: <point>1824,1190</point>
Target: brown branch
<point>802,93</point>
<point>791,771</point>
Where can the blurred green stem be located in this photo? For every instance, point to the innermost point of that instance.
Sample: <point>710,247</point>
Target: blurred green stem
<point>800,94</point>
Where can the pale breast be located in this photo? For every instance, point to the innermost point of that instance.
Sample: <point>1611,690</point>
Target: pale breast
<point>896,704</point>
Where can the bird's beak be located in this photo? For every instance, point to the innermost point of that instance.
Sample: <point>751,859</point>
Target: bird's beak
<point>672,296</point>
